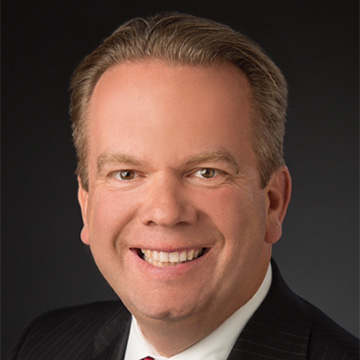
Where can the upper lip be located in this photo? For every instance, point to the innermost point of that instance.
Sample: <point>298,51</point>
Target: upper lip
<point>169,250</point>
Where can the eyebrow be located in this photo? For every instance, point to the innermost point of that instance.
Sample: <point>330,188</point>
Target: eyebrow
<point>219,155</point>
<point>106,158</point>
<point>215,156</point>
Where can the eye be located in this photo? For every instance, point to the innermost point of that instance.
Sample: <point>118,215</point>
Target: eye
<point>207,173</point>
<point>125,175</point>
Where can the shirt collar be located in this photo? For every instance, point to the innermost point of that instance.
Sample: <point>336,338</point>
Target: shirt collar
<point>217,345</point>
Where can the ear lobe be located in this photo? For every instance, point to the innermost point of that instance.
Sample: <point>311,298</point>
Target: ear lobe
<point>83,197</point>
<point>278,192</point>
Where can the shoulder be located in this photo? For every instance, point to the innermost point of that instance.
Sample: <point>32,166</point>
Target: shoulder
<point>68,330</point>
<point>328,338</point>
<point>301,323</point>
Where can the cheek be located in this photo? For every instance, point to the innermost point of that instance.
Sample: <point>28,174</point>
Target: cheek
<point>108,213</point>
<point>241,218</point>
<point>239,214</point>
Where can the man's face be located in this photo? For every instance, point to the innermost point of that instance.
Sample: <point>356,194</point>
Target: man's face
<point>173,177</point>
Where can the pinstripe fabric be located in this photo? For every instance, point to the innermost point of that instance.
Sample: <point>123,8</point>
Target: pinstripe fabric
<point>287,327</point>
<point>96,331</point>
<point>284,327</point>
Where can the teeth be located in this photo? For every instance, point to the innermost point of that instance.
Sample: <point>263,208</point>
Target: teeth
<point>190,255</point>
<point>183,256</point>
<point>161,258</point>
<point>174,257</point>
<point>164,257</point>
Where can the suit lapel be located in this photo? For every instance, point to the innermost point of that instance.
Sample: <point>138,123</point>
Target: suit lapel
<point>111,341</point>
<point>279,329</point>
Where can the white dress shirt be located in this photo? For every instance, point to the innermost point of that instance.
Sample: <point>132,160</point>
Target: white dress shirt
<point>216,346</point>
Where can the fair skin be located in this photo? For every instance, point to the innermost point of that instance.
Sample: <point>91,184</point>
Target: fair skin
<point>172,173</point>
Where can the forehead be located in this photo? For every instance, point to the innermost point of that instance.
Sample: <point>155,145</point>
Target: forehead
<point>131,77</point>
<point>151,101</point>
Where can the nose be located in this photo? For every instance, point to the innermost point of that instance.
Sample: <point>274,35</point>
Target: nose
<point>167,203</point>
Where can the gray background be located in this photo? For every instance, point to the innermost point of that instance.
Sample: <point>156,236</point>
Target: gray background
<point>44,264</point>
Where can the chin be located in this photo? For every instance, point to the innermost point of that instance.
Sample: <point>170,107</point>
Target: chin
<point>162,312</point>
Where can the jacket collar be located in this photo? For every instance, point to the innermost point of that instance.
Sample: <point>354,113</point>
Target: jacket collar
<point>111,341</point>
<point>279,329</point>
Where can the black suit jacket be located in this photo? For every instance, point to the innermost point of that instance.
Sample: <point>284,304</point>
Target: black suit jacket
<point>284,327</point>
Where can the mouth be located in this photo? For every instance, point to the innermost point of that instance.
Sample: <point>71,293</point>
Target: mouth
<point>163,259</point>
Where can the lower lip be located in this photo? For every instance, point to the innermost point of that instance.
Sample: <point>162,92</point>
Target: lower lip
<point>170,270</point>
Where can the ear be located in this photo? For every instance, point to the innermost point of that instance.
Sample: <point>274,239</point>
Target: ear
<point>278,193</point>
<point>83,197</point>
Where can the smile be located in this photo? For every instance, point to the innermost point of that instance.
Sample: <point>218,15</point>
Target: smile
<point>162,259</point>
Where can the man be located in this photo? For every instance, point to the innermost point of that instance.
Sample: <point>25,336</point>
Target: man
<point>178,124</point>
